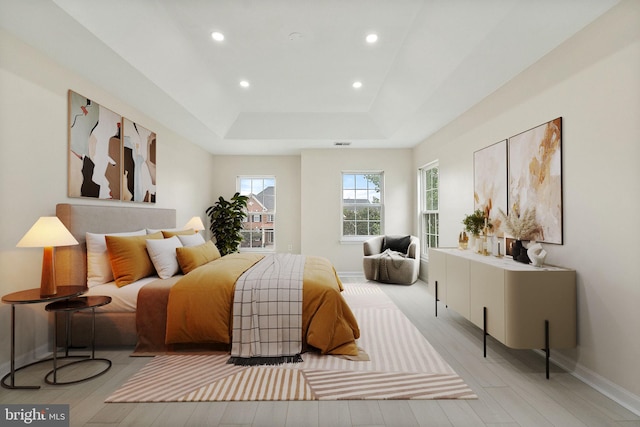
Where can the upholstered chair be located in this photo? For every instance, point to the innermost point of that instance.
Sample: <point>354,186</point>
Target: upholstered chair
<point>392,259</point>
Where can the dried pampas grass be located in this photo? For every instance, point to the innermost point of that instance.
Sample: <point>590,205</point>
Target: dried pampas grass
<point>521,227</point>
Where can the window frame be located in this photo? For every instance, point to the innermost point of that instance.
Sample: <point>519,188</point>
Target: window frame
<point>360,238</point>
<point>268,214</point>
<point>426,211</point>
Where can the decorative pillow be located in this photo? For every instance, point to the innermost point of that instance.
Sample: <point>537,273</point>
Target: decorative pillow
<point>171,233</point>
<point>191,240</point>
<point>98,263</point>
<point>396,243</point>
<point>193,257</point>
<point>129,258</point>
<point>163,255</point>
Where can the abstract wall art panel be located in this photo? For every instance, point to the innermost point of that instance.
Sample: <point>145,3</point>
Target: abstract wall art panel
<point>490,181</point>
<point>110,157</point>
<point>535,177</point>
<point>139,162</point>
<point>95,149</point>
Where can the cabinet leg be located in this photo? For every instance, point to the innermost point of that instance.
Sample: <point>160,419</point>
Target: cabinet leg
<point>436,290</point>
<point>484,329</point>
<point>547,351</point>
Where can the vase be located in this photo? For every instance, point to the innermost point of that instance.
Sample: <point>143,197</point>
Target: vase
<point>519,252</point>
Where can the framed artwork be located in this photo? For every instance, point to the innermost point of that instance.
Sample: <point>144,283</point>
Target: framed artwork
<point>490,181</point>
<point>139,163</point>
<point>110,157</point>
<point>95,149</point>
<point>535,177</point>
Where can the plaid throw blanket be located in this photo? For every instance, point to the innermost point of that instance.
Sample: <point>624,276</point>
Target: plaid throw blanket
<point>267,312</point>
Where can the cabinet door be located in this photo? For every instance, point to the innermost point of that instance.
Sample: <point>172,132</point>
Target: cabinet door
<point>458,284</point>
<point>438,272</point>
<point>486,289</point>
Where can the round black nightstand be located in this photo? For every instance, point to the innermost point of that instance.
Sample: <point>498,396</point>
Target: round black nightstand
<point>68,306</point>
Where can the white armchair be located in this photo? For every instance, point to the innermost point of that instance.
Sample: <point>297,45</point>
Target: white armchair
<point>392,259</point>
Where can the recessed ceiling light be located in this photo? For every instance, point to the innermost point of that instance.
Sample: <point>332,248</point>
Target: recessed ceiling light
<point>357,85</point>
<point>372,38</point>
<point>244,83</point>
<point>217,36</point>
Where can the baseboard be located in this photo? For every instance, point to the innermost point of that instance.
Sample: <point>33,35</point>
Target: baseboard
<point>613,391</point>
<point>350,274</point>
<point>39,353</point>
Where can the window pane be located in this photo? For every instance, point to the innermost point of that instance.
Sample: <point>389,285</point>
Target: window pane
<point>430,227</point>
<point>361,204</point>
<point>362,228</point>
<point>349,228</point>
<point>259,225</point>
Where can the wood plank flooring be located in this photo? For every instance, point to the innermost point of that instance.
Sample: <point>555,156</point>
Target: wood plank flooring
<point>511,386</point>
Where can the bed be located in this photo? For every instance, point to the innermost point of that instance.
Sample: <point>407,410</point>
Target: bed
<point>142,312</point>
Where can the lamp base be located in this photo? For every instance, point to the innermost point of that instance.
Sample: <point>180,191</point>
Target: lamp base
<point>48,281</point>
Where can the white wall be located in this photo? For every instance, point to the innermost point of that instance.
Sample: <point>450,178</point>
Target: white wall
<point>593,82</point>
<point>308,196</point>
<point>321,198</point>
<point>286,169</point>
<point>33,173</point>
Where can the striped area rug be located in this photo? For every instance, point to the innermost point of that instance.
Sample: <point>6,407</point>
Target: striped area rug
<point>402,365</point>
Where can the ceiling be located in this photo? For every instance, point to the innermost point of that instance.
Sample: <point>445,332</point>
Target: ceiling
<point>433,60</point>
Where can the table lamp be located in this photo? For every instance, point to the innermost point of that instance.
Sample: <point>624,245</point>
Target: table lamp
<point>47,233</point>
<point>195,223</point>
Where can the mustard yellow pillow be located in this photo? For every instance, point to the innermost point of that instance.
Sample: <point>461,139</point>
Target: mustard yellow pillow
<point>171,233</point>
<point>129,257</point>
<point>192,257</point>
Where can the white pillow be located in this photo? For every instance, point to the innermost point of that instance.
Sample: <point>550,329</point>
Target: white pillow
<point>98,263</point>
<point>163,255</point>
<point>191,239</point>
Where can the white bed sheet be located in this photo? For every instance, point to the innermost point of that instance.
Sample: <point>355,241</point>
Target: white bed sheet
<point>124,299</point>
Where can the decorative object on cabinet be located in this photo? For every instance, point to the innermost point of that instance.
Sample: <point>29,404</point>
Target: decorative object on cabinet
<point>521,227</point>
<point>474,223</point>
<point>537,254</point>
<point>106,149</point>
<point>535,177</point>
<point>490,180</point>
<point>463,240</point>
<point>48,232</point>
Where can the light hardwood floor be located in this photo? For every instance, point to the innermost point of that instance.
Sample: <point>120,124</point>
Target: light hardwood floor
<point>511,386</point>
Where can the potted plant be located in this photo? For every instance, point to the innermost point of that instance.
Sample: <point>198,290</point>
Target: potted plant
<point>226,222</point>
<point>474,223</point>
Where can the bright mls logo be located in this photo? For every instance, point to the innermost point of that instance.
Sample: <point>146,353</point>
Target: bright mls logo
<point>35,415</point>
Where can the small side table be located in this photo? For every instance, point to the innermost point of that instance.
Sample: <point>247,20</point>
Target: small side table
<point>31,296</point>
<point>68,306</point>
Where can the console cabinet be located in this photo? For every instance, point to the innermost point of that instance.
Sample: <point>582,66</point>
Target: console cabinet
<point>522,306</point>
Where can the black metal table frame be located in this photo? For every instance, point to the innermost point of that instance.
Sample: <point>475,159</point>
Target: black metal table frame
<point>72,292</point>
<point>68,309</point>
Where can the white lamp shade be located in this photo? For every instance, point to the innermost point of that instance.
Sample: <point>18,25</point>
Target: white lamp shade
<point>48,231</point>
<point>194,223</point>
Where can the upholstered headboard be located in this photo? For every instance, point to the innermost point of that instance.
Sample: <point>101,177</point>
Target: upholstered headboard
<point>71,261</point>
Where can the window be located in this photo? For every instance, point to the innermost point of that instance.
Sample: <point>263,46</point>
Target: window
<point>430,224</point>
<point>362,202</point>
<point>259,226</point>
